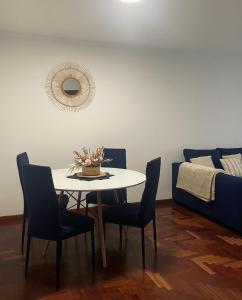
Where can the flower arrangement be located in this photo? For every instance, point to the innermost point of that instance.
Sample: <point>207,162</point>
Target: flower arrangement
<point>88,158</point>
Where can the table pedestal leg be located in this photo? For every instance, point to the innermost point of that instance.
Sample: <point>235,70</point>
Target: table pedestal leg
<point>100,225</point>
<point>79,200</point>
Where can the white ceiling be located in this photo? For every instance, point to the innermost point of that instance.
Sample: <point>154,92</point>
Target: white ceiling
<point>179,24</point>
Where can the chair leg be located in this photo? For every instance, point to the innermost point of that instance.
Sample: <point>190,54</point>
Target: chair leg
<point>86,212</point>
<point>58,254</point>
<point>143,246</point>
<point>154,230</point>
<point>27,255</point>
<point>126,232</point>
<point>60,248</point>
<point>93,250</point>
<point>120,234</point>
<point>104,229</point>
<point>23,233</point>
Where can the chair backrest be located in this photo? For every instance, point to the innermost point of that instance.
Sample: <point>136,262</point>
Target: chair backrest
<point>43,208</point>
<point>22,159</point>
<point>118,156</point>
<point>147,207</point>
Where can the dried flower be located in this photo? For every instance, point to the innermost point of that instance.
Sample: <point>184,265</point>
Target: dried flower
<point>88,158</point>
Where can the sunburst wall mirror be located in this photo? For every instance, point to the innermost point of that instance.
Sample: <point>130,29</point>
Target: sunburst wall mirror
<point>70,87</point>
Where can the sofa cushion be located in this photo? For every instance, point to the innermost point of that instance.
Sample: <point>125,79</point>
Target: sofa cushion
<point>203,161</point>
<point>214,153</point>
<point>229,151</point>
<point>232,166</point>
<point>238,156</point>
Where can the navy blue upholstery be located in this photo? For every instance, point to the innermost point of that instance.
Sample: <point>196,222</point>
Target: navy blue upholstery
<point>138,214</point>
<point>127,214</point>
<point>45,220</point>
<point>142,213</point>
<point>227,207</point>
<point>214,153</point>
<point>43,207</point>
<point>22,159</point>
<point>230,151</point>
<point>107,197</point>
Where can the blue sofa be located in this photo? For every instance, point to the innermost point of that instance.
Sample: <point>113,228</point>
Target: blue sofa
<point>227,207</point>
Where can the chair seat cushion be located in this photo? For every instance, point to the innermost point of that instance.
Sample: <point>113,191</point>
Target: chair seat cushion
<point>126,214</point>
<point>107,197</point>
<point>74,223</point>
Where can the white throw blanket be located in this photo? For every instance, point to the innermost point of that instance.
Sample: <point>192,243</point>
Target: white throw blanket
<point>198,180</point>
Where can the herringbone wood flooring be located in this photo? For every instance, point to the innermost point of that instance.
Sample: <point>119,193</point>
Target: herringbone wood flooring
<point>196,260</point>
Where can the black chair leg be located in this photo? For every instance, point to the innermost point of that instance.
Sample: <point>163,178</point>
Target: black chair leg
<point>61,248</point>
<point>58,254</point>
<point>154,230</point>
<point>23,233</point>
<point>104,229</point>
<point>143,246</point>
<point>27,255</point>
<point>120,235</point>
<point>93,250</point>
<point>86,212</point>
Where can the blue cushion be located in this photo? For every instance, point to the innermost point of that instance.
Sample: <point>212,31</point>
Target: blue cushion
<point>127,214</point>
<point>230,151</point>
<point>74,223</point>
<point>107,197</point>
<point>214,153</point>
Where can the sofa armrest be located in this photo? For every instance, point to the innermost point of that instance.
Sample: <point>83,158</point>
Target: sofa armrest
<point>228,200</point>
<point>229,189</point>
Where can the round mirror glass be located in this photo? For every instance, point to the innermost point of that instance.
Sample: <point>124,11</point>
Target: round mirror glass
<point>71,87</point>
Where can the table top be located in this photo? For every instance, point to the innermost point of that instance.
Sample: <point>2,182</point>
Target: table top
<point>122,178</point>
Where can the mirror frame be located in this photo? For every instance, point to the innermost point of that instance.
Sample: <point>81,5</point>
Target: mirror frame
<point>56,93</point>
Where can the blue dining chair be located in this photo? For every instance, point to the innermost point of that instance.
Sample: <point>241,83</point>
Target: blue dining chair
<point>118,157</point>
<point>138,215</point>
<point>22,159</point>
<point>45,220</point>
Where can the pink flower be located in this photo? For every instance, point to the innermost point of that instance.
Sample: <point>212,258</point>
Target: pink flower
<point>88,162</point>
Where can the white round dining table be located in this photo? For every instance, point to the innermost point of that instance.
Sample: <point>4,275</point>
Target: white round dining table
<point>121,178</point>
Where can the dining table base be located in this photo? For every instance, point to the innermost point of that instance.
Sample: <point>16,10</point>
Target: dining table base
<point>100,229</point>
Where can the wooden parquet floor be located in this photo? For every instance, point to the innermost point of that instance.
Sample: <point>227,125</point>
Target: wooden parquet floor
<point>196,260</point>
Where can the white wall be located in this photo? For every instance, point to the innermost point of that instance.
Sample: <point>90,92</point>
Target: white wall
<point>150,102</point>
